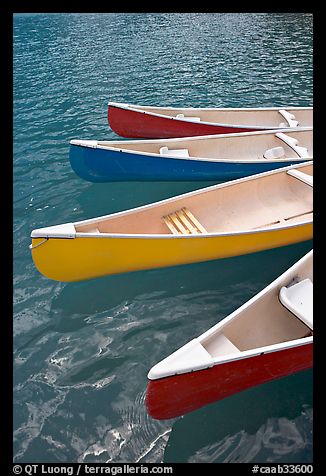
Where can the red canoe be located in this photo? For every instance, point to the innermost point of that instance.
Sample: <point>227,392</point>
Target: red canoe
<point>147,122</point>
<point>268,337</point>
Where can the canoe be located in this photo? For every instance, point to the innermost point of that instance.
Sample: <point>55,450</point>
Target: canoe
<point>149,122</point>
<point>241,216</point>
<point>215,157</point>
<point>268,337</point>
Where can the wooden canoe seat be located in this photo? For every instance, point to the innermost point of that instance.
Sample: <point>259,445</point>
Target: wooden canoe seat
<point>188,118</point>
<point>176,152</point>
<point>298,299</point>
<point>182,222</point>
<point>290,119</point>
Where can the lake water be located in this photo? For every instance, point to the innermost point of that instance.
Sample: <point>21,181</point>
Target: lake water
<point>82,350</point>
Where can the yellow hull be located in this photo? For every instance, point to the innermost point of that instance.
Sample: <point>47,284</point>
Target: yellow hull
<point>76,259</point>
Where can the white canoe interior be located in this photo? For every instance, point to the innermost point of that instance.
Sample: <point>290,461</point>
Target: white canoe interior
<point>260,117</point>
<point>263,324</point>
<point>269,200</point>
<point>260,146</point>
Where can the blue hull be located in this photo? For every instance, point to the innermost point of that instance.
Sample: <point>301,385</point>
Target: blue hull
<point>99,165</point>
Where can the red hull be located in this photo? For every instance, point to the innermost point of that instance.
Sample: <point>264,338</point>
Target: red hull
<point>140,125</point>
<point>173,396</point>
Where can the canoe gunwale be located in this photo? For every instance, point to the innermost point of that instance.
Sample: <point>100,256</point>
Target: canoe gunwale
<point>286,130</point>
<point>295,159</point>
<point>218,124</point>
<point>52,230</point>
<point>170,108</point>
<point>194,235</point>
<point>35,234</point>
<point>228,358</point>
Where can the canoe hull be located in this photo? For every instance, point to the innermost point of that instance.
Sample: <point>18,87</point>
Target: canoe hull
<point>173,396</point>
<point>104,165</point>
<point>75,259</point>
<point>139,125</point>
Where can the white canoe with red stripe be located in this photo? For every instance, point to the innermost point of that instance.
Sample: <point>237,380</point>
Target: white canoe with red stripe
<point>150,122</point>
<point>268,337</point>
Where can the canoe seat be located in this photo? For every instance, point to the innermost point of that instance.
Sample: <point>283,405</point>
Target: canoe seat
<point>306,178</point>
<point>176,152</point>
<point>298,299</point>
<point>290,119</point>
<point>183,222</point>
<point>274,153</point>
<point>188,118</point>
<point>219,346</point>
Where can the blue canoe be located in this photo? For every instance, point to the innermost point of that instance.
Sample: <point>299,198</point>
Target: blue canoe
<point>216,157</point>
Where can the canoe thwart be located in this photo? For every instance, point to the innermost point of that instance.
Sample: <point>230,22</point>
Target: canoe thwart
<point>284,220</point>
<point>302,152</point>
<point>188,118</point>
<point>290,119</point>
<point>306,178</point>
<point>183,222</point>
<point>176,152</point>
<point>298,299</point>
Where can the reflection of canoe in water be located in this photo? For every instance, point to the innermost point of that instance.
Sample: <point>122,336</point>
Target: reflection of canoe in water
<point>237,429</point>
<point>251,214</point>
<point>218,157</point>
<point>135,121</point>
<point>268,337</point>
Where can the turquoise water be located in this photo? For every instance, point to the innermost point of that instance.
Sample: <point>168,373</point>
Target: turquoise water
<point>82,350</point>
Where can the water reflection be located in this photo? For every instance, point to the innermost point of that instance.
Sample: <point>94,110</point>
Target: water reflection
<point>249,427</point>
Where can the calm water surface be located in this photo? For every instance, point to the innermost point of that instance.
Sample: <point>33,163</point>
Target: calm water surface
<point>82,350</point>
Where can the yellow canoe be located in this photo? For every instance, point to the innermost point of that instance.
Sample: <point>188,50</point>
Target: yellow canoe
<point>246,215</point>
